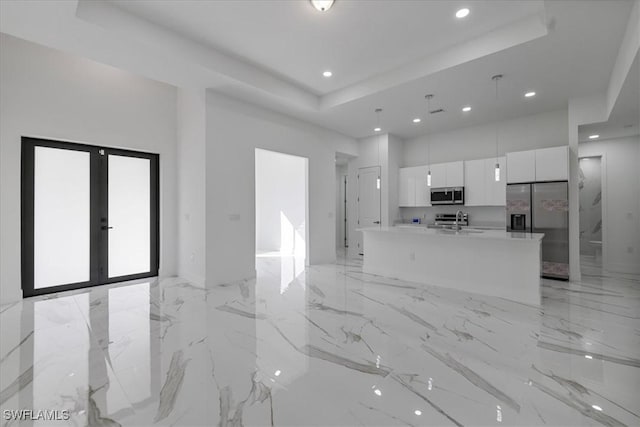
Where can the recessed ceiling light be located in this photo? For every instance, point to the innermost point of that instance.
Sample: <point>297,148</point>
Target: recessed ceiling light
<point>466,109</point>
<point>530,94</point>
<point>596,407</point>
<point>416,120</point>
<point>377,129</point>
<point>377,392</point>
<point>327,73</point>
<point>322,5</point>
<point>594,136</point>
<point>417,412</point>
<point>462,13</point>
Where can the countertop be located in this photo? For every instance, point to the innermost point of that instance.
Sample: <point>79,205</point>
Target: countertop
<point>468,233</point>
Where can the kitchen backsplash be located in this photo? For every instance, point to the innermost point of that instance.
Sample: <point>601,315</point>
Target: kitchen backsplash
<point>481,216</point>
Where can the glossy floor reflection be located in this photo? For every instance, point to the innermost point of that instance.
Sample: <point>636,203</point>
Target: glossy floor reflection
<point>325,345</point>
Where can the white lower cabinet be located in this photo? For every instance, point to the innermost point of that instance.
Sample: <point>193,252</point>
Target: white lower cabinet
<point>480,186</point>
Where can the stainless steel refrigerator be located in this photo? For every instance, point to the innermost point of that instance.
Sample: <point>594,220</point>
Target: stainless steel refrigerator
<point>543,207</point>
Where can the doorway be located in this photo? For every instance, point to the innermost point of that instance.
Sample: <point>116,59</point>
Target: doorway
<point>281,201</point>
<point>590,213</point>
<point>90,215</point>
<point>369,207</point>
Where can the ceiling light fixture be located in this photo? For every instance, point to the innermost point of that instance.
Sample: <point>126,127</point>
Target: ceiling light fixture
<point>417,412</point>
<point>594,136</point>
<point>428,98</point>
<point>322,5</point>
<point>327,73</point>
<point>462,13</point>
<point>497,78</point>
<point>530,94</point>
<point>416,120</point>
<point>466,109</point>
<point>596,407</point>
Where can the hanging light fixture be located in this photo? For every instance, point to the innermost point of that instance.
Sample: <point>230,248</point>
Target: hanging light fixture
<point>378,129</point>
<point>428,98</point>
<point>497,78</point>
<point>322,5</point>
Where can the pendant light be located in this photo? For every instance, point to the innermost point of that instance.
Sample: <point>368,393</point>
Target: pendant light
<point>497,78</point>
<point>426,117</point>
<point>378,129</point>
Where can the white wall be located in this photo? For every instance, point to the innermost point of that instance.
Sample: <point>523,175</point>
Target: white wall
<point>234,130</point>
<point>281,186</point>
<point>547,129</point>
<point>191,185</point>
<point>621,201</point>
<point>49,94</point>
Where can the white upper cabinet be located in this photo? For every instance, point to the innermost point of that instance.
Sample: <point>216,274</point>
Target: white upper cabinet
<point>495,191</point>
<point>439,175</point>
<point>455,174</point>
<point>412,187</point>
<point>552,164</point>
<point>447,174</point>
<point>422,192</point>
<point>480,185</point>
<point>406,188</point>
<point>545,164</point>
<point>474,183</point>
<point>522,166</point>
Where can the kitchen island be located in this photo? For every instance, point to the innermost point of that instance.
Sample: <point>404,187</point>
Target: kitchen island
<point>489,262</point>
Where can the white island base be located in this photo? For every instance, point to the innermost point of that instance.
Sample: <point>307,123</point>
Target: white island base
<point>496,263</point>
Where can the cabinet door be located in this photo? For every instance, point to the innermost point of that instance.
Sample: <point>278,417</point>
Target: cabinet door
<point>406,187</point>
<point>438,175</point>
<point>521,166</point>
<point>423,193</point>
<point>496,191</point>
<point>455,174</point>
<point>552,164</point>
<point>474,183</point>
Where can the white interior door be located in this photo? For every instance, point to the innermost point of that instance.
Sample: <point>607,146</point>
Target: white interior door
<point>368,200</point>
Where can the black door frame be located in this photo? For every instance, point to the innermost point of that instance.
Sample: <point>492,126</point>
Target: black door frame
<point>99,226</point>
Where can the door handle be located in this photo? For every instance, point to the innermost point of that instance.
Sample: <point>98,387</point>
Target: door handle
<point>105,227</point>
<point>376,222</point>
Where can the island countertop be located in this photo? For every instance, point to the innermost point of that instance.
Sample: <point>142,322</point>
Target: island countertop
<point>489,262</point>
<point>466,233</point>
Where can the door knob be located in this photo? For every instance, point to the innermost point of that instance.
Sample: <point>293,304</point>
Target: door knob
<point>105,227</point>
<point>376,222</point>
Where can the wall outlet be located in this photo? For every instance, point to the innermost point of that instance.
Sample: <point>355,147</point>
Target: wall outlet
<point>234,217</point>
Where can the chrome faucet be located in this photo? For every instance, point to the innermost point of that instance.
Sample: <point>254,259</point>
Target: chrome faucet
<point>460,215</point>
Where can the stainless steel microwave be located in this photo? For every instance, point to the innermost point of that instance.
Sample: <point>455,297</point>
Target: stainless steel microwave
<point>447,196</point>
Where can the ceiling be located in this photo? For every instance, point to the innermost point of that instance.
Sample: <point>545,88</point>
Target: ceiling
<point>386,54</point>
<point>624,119</point>
<point>355,39</point>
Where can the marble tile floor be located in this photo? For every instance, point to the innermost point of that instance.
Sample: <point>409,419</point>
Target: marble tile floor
<point>324,345</point>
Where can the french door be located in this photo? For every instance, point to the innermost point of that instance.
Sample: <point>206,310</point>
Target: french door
<point>89,215</point>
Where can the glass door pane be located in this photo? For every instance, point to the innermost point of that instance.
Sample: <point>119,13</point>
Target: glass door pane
<point>61,217</point>
<point>129,213</point>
